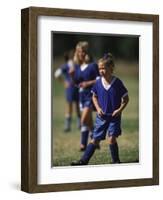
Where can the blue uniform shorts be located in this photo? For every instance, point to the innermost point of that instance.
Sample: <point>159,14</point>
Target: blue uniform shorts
<point>72,94</point>
<point>106,125</point>
<point>85,99</point>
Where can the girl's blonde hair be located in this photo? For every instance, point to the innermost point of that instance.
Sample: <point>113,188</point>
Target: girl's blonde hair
<point>84,45</point>
<point>107,60</point>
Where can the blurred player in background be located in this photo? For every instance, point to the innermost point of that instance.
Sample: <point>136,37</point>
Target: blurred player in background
<point>84,76</point>
<point>71,91</point>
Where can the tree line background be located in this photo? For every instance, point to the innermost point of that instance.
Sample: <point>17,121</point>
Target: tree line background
<point>124,47</point>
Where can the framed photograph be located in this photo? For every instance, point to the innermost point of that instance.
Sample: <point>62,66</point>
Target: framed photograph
<point>90,99</point>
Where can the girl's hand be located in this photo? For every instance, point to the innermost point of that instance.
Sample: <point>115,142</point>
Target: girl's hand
<point>116,113</point>
<point>100,112</point>
<point>83,85</point>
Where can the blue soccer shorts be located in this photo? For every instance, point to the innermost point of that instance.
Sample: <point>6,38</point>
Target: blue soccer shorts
<point>106,125</point>
<point>85,100</point>
<point>72,94</point>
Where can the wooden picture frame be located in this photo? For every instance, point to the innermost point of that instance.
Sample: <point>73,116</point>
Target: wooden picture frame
<point>29,112</point>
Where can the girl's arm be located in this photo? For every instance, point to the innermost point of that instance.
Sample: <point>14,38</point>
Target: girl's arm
<point>86,84</point>
<point>124,103</point>
<point>95,102</point>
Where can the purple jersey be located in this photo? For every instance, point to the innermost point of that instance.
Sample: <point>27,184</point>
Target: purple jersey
<point>86,72</point>
<point>109,97</point>
<point>65,71</point>
<point>72,91</point>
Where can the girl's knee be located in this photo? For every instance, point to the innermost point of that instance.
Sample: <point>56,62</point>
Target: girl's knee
<point>112,140</point>
<point>95,142</point>
<point>84,121</point>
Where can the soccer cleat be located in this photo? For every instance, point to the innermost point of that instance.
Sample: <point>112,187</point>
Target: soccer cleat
<point>78,162</point>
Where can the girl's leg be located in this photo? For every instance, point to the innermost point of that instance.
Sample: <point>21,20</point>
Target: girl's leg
<point>113,146</point>
<point>92,146</point>
<point>90,121</point>
<point>86,115</point>
<point>85,127</point>
<point>87,154</point>
<point>68,117</point>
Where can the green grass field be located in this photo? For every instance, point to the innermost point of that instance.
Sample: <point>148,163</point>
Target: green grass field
<point>66,145</point>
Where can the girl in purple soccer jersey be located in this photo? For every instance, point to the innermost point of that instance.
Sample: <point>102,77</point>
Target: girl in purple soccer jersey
<point>110,97</point>
<point>84,77</point>
<point>71,91</point>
